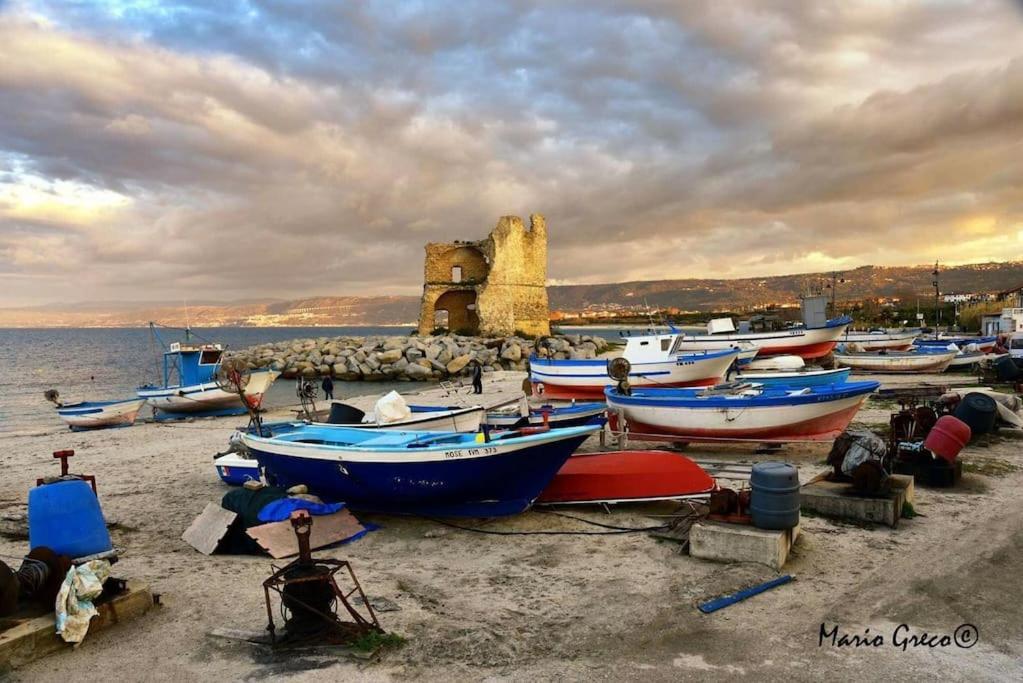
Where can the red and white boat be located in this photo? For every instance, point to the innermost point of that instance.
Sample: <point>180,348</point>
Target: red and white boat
<point>805,342</point>
<point>650,367</point>
<point>743,413</point>
<point>626,476</point>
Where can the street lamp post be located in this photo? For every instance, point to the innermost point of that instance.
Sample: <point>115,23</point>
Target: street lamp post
<point>937,311</point>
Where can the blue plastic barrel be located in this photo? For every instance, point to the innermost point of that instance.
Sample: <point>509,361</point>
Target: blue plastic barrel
<point>66,518</point>
<point>774,498</point>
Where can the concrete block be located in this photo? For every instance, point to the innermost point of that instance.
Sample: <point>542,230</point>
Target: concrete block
<point>740,543</point>
<point>905,482</point>
<point>837,500</point>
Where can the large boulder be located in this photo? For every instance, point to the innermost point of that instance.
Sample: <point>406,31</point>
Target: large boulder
<point>513,352</point>
<point>456,365</point>
<point>417,372</point>
<point>390,355</point>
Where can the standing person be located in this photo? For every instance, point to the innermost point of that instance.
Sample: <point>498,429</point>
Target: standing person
<point>328,388</point>
<point>477,378</point>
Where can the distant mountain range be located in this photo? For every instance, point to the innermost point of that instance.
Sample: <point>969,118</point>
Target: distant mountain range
<point>700,295</point>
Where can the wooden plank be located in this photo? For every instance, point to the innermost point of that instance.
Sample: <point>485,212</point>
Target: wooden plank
<point>278,538</point>
<point>36,637</point>
<point>209,528</point>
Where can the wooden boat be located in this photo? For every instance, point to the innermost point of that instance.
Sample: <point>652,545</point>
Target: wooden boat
<point>420,473</point>
<point>100,414</point>
<point>235,469</point>
<point>422,419</point>
<point>896,361</point>
<point>189,386</point>
<point>876,340</point>
<point>807,377</point>
<point>626,476</point>
<point>570,379</point>
<point>745,413</point>
<point>808,343</point>
<point>553,416</point>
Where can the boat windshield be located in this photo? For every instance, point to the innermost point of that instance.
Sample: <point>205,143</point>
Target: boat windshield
<point>210,357</point>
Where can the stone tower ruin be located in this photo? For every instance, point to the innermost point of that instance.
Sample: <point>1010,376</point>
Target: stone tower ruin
<point>494,287</point>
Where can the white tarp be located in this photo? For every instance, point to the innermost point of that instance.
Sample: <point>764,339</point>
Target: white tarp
<point>391,408</point>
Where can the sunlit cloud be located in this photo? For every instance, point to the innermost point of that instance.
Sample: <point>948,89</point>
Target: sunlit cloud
<point>229,150</point>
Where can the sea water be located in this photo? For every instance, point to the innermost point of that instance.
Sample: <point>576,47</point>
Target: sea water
<point>103,364</point>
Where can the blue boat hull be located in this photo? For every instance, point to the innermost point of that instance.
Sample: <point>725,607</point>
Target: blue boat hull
<point>498,485</point>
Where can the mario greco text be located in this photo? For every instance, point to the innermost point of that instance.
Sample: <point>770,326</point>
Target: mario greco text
<point>902,637</point>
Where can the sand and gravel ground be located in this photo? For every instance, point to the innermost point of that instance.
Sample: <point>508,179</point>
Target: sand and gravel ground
<point>544,607</point>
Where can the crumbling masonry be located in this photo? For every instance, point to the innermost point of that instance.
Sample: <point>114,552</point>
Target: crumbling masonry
<point>494,287</point>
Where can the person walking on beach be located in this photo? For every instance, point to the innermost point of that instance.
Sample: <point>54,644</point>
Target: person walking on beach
<point>477,378</point>
<point>328,388</point>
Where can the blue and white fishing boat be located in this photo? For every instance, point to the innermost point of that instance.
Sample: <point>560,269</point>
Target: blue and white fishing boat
<point>741,413</point>
<point>984,344</point>
<point>652,364</point>
<point>100,414</point>
<point>420,473</point>
<point>805,377</point>
<point>189,386</point>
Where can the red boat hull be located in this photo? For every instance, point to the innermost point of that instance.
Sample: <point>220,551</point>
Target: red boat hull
<point>626,476</point>
<point>807,351</point>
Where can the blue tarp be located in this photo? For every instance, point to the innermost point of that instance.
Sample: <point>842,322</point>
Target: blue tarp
<point>281,509</point>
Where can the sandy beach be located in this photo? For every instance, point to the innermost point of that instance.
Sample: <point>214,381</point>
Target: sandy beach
<point>549,607</point>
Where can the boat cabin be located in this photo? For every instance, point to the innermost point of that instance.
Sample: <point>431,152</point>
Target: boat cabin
<point>186,364</point>
<point>649,348</point>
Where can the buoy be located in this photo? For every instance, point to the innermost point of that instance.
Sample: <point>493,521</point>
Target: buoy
<point>947,437</point>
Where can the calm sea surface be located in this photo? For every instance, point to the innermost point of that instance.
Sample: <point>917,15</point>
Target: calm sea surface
<point>105,364</point>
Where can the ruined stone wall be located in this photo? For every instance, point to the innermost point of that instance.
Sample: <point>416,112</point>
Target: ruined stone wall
<point>507,272</point>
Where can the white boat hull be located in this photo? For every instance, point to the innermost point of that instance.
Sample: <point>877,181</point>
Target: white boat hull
<point>896,362</point>
<point>892,341</point>
<point>459,420</point>
<point>200,398</point>
<point>98,416</point>
<point>587,379</point>
<point>806,343</point>
<point>810,422</point>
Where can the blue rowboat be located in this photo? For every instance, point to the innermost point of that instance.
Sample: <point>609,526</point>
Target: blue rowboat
<point>795,378</point>
<point>745,413</point>
<point>422,473</point>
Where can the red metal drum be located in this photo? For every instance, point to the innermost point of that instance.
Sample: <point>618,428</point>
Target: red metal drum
<point>947,437</point>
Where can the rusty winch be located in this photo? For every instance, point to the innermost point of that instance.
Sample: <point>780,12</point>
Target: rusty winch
<point>310,594</point>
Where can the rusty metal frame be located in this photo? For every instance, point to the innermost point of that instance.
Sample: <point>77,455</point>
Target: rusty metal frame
<point>278,581</point>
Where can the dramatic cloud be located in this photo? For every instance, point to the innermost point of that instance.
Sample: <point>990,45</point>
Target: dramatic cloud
<point>211,151</point>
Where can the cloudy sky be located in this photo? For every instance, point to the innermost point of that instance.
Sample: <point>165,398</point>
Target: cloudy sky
<point>220,150</point>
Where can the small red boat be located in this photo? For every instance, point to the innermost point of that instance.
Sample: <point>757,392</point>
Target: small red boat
<point>624,476</point>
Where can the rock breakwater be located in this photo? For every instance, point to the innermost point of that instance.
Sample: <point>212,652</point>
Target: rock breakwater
<point>407,358</point>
